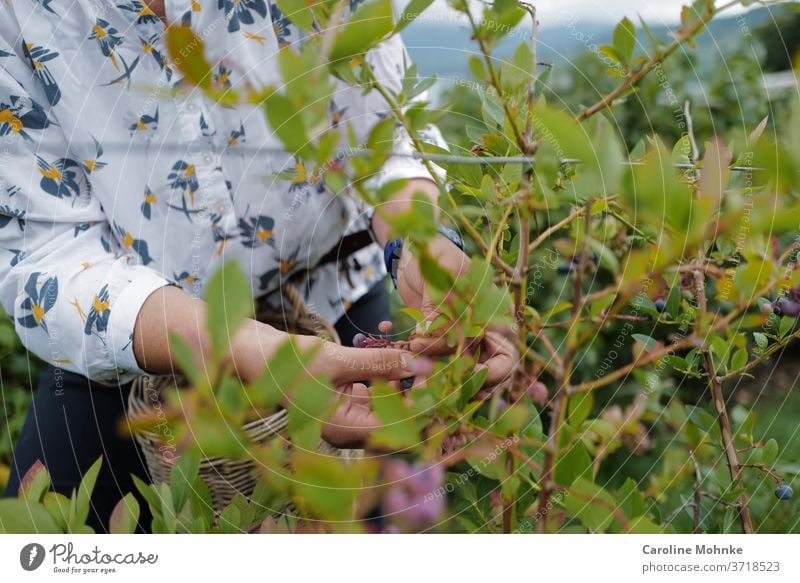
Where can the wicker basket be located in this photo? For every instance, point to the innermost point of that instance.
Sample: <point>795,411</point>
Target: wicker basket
<point>226,477</point>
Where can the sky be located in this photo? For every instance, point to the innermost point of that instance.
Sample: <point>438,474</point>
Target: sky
<point>653,11</point>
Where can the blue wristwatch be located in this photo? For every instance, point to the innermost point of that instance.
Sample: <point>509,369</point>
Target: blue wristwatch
<point>394,249</point>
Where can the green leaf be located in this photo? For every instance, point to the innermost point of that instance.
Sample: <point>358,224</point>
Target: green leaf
<point>399,427</point>
<point>624,40</point>
<point>287,122</point>
<point>563,135</point>
<point>22,517</point>
<point>574,464</point>
<point>188,54</point>
<point>230,521</point>
<point>769,453</point>
<point>701,418</point>
<point>150,495</point>
<point>58,506</point>
<point>761,340</point>
<point>590,504</point>
<point>228,302</point>
<point>35,483</point>
<point>185,358</point>
<point>412,10</point>
<point>580,406</point>
<point>298,12</point>
<point>370,23</point>
<point>631,501</point>
<point>181,478</point>
<point>83,496</point>
<point>740,358</point>
<point>125,516</point>
<point>649,342</point>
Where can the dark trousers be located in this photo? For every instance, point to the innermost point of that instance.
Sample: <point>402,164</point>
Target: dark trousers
<point>73,421</point>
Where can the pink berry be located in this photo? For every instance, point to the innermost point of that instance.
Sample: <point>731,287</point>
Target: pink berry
<point>396,471</point>
<point>396,501</point>
<point>766,308</point>
<point>426,479</point>
<point>426,512</point>
<point>385,327</point>
<point>422,367</point>
<point>360,341</point>
<point>538,393</point>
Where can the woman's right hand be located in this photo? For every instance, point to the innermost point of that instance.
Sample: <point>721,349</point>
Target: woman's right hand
<point>171,310</point>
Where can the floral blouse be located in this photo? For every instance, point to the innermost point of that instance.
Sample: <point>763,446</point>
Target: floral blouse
<point>111,187</point>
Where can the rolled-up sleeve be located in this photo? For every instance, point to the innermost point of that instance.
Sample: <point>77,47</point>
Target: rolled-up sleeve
<point>69,286</point>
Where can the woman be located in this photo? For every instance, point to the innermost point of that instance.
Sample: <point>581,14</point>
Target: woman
<point>124,201</point>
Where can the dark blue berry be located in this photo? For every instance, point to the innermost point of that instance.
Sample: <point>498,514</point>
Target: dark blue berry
<point>784,492</point>
<point>565,269</point>
<point>406,384</point>
<point>660,305</point>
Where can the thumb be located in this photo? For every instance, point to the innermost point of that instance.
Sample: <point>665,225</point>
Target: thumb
<point>435,342</point>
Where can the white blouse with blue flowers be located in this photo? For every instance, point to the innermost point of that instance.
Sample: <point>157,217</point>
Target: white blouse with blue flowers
<point>110,190</point>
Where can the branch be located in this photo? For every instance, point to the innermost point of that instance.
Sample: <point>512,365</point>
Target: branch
<point>633,78</point>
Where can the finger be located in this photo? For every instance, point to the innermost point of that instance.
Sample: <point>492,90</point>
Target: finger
<point>360,395</point>
<point>499,358</point>
<point>346,364</point>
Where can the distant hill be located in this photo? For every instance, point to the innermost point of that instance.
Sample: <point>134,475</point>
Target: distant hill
<point>442,48</point>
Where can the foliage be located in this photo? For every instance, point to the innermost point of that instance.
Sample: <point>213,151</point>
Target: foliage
<point>17,368</point>
<point>641,279</point>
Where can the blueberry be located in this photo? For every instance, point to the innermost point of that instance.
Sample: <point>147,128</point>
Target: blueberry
<point>784,492</point>
<point>565,269</point>
<point>661,305</point>
<point>407,383</point>
<point>360,341</point>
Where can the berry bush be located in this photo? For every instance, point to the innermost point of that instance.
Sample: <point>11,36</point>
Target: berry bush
<point>640,285</point>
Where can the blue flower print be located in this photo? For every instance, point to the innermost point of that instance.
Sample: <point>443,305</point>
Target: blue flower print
<point>222,77</point>
<point>138,246</point>
<point>240,12</point>
<point>257,231</point>
<point>142,12</point>
<point>280,24</point>
<point>22,114</point>
<point>8,214</point>
<point>59,178</point>
<point>284,269</point>
<point>144,126</point>
<point>149,46</point>
<point>108,39</point>
<point>17,255</point>
<point>185,279</point>
<point>149,200</point>
<point>99,313</point>
<point>182,177</point>
<point>336,113</point>
<point>91,165</point>
<point>38,300</point>
<point>38,56</point>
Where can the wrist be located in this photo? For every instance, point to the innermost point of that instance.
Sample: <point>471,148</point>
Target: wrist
<point>396,255</point>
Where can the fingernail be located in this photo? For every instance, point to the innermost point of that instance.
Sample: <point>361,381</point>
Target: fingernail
<point>406,361</point>
<point>422,366</point>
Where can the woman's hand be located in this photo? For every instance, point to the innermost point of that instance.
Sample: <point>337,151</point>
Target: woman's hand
<point>496,352</point>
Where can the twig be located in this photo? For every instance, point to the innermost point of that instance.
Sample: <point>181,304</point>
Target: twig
<point>698,480</point>
<point>633,78</point>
